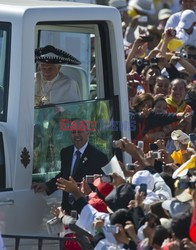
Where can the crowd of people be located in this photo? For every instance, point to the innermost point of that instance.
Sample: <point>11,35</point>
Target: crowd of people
<point>152,205</point>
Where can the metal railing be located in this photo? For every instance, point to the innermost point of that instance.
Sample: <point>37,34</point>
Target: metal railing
<point>41,239</point>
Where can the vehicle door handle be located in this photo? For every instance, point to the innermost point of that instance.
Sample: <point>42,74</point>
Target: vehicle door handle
<point>7,202</point>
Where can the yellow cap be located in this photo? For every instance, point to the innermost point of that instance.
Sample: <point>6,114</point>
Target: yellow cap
<point>174,44</point>
<point>132,12</point>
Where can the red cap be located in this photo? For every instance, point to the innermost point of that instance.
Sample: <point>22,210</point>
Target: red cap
<point>103,187</point>
<point>98,204</point>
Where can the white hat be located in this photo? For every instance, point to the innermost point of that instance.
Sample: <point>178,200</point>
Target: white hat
<point>166,223</point>
<point>143,177</point>
<point>164,14</point>
<point>175,207</point>
<point>145,6</point>
<point>187,18</point>
<point>178,135</point>
<point>121,5</point>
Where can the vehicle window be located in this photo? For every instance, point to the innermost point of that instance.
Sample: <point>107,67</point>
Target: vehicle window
<point>5,30</point>
<point>88,43</point>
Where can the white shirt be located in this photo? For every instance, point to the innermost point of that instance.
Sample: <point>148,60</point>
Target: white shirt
<point>75,156</point>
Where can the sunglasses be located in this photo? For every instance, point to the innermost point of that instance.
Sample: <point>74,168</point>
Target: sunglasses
<point>191,56</point>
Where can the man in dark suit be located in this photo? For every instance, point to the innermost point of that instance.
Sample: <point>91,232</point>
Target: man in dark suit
<point>78,160</point>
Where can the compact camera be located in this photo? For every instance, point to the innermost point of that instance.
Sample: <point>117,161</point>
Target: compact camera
<point>91,178</point>
<point>130,166</point>
<point>157,154</point>
<point>182,54</point>
<point>141,62</point>
<point>106,178</point>
<point>140,145</point>
<point>171,32</point>
<point>111,229</point>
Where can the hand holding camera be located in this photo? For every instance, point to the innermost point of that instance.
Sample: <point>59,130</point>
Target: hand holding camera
<point>170,32</point>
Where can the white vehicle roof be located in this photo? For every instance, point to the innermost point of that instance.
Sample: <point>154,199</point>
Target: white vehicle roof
<point>37,3</point>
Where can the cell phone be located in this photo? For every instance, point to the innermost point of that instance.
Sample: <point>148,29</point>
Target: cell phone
<point>153,147</point>
<point>140,145</point>
<point>147,38</point>
<point>143,188</point>
<point>74,214</point>
<point>112,229</point>
<point>143,19</point>
<point>89,178</point>
<point>130,166</point>
<point>157,154</point>
<point>106,178</point>
<point>192,137</point>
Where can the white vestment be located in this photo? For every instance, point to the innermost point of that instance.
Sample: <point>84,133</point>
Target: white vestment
<point>60,90</point>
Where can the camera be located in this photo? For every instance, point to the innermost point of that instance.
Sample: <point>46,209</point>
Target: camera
<point>117,144</point>
<point>182,54</point>
<point>130,166</point>
<point>171,32</point>
<point>140,145</point>
<point>157,154</point>
<point>111,229</point>
<point>89,178</point>
<point>74,214</point>
<point>143,19</point>
<point>141,62</point>
<point>106,178</point>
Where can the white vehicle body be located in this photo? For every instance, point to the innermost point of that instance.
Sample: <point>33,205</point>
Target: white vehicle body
<point>21,210</point>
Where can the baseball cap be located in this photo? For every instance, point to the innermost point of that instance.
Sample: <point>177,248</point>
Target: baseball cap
<point>164,14</point>
<point>98,204</point>
<point>187,18</point>
<point>120,196</point>
<point>143,177</point>
<point>178,135</point>
<point>175,207</point>
<point>103,187</point>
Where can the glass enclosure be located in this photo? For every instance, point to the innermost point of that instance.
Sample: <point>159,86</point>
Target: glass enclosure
<point>98,107</point>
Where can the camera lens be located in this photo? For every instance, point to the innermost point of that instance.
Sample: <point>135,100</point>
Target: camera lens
<point>139,62</point>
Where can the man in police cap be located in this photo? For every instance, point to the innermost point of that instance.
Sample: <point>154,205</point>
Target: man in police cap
<point>51,86</point>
